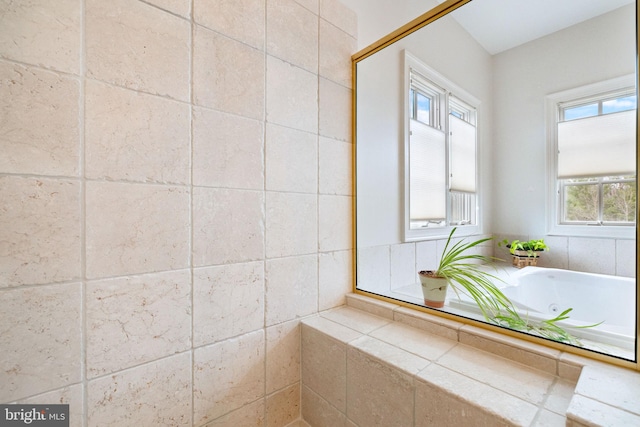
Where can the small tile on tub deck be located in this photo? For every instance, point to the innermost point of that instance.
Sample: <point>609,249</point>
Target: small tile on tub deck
<point>357,320</point>
<point>389,354</point>
<point>445,397</point>
<point>434,324</point>
<point>371,305</point>
<point>379,394</point>
<point>530,354</point>
<point>614,386</point>
<point>584,411</point>
<point>517,379</point>
<point>324,364</point>
<point>414,340</point>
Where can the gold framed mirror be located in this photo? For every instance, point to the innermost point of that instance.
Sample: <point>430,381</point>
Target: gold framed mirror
<point>518,97</point>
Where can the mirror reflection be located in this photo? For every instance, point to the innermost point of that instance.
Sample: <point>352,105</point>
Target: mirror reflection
<point>514,121</point>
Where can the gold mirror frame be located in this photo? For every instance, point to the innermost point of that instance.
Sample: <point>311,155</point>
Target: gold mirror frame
<point>407,29</point>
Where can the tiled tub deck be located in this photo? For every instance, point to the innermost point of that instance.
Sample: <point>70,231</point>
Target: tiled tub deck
<point>372,363</point>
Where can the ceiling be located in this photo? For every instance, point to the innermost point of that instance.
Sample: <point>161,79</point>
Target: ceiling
<point>499,25</point>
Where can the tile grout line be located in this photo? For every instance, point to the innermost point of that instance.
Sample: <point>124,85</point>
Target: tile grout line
<point>83,215</point>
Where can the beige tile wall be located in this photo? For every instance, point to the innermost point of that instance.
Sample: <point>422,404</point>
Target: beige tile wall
<point>175,194</point>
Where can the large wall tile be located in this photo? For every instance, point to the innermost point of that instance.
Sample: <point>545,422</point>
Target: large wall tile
<point>292,96</point>
<point>335,167</point>
<point>135,45</point>
<point>291,160</point>
<point>155,394</point>
<point>292,33</point>
<point>42,32</point>
<point>179,7</point>
<point>292,224</point>
<point>335,278</point>
<point>228,300</point>
<point>39,121</point>
<point>335,111</point>
<point>339,15</point>
<point>252,415</point>
<point>227,376</point>
<point>336,48</point>
<point>228,226</point>
<point>39,231</point>
<point>135,137</point>
<point>242,20</point>
<point>283,407</point>
<point>592,255</point>
<point>292,288</point>
<point>227,150</point>
<point>136,228</point>
<point>335,223</point>
<point>283,355</point>
<point>227,75</point>
<point>312,5</point>
<point>72,396</point>
<point>137,319</point>
<point>40,338</point>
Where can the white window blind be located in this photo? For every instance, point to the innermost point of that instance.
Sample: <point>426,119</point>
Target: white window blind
<point>597,146</point>
<point>463,155</point>
<point>427,173</point>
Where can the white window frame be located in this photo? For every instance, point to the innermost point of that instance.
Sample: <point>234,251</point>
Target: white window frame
<point>554,196</point>
<point>467,101</point>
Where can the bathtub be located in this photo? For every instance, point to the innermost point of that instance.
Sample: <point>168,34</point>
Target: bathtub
<point>543,293</point>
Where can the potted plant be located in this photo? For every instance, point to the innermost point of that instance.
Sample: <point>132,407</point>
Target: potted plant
<point>460,269</point>
<point>525,253</point>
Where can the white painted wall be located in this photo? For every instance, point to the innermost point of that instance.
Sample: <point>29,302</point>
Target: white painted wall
<point>379,116</point>
<point>593,51</point>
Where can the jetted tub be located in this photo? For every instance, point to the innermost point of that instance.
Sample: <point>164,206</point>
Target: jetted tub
<point>543,293</point>
<point>594,298</point>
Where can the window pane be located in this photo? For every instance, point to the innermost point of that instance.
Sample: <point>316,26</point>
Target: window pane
<point>581,202</point>
<point>619,104</point>
<point>619,202</point>
<point>581,111</point>
<point>423,109</point>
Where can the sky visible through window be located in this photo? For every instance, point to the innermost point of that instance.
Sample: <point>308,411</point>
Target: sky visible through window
<point>610,106</point>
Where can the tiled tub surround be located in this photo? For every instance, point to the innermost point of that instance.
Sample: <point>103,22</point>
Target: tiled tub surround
<point>373,363</point>
<point>175,192</point>
<point>389,268</point>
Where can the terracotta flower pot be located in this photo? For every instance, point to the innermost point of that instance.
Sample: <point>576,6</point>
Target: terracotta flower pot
<point>434,289</point>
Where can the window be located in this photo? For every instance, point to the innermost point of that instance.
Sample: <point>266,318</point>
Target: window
<point>440,154</point>
<point>594,173</point>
